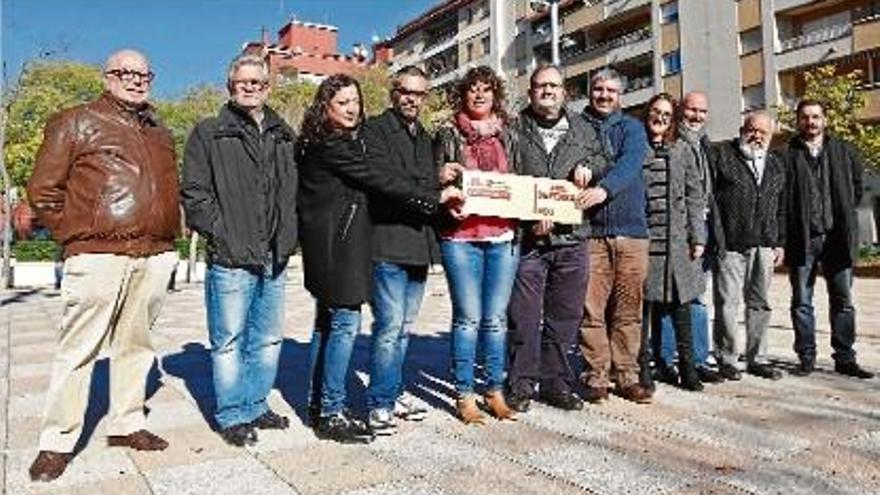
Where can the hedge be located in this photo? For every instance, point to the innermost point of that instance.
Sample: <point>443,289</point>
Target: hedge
<point>35,250</point>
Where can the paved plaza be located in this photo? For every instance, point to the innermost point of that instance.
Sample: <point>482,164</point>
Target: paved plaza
<point>814,435</point>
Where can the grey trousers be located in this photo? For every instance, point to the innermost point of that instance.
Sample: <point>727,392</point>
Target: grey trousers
<point>741,276</point>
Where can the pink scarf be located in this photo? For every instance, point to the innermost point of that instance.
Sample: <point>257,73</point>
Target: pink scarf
<point>482,150</point>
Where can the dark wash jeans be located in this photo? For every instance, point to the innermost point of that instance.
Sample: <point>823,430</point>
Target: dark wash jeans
<point>545,310</point>
<point>841,311</point>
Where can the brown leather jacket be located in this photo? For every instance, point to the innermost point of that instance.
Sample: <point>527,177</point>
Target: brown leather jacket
<point>105,181</point>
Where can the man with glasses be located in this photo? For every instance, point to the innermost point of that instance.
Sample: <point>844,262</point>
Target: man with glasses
<point>404,246</point>
<point>749,191</point>
<point>546,305</point>
<point>105,183</point>
<point>239,192</point>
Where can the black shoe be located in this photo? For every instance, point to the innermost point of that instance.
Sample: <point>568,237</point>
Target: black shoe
<point>764,371</point>
<point>519,402</point>
<point>566,401</point>
<point>342,428</point>
<point>708,375</point>
<point>666,373</point>
<point>807,366</point>
<point>270,420</point>
<point>239,435</point>
<point>851,368</point>
<point>729,372</point>
<point>690,380</point>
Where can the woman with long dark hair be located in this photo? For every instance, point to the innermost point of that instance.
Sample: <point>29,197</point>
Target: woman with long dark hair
<point>479,253</point>
<point>335,234</point>
<point>677,232</point>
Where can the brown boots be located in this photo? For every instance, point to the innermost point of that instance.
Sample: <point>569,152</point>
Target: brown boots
<point>470,412</point>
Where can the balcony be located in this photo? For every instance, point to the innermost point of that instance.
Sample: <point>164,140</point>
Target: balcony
<point>604,47</point>
<point>637,83</point>
<point>815,37</point>
<point>442,63</point>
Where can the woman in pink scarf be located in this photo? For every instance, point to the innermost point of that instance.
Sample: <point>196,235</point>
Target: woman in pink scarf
<point>479,254</point>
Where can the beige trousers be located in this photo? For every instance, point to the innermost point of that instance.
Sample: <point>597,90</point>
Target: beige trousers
<point>110,302</point>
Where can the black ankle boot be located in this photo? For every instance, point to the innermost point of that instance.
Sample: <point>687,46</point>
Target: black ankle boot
<point>687,373</point>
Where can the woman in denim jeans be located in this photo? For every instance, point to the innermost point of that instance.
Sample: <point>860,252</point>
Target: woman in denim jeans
<point>335,234</point>
<point>479,253</point>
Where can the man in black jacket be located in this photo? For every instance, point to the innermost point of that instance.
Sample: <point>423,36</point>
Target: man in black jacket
<point>749,191</point>
<point>404,246</point>
<point>239,192</point>
<point>546,305</point>
<point>825,186</point>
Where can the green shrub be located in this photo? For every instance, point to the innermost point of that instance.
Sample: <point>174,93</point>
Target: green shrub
<point>182,246</point>
<point>869,252</point>
<point>35,250</point>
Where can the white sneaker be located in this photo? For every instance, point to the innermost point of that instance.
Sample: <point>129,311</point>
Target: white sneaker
<point>381,422</point>
<point>409,410</point>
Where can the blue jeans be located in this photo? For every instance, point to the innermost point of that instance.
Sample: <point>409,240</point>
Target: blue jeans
<point>699,332</point>
<point>330,354</point>
<point>397,297</point>
<point>480,276</point>
<point>245,319</point>
<point>842,313</point>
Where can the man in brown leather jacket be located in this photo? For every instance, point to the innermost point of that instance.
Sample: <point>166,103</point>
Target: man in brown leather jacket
<point>105,184</point>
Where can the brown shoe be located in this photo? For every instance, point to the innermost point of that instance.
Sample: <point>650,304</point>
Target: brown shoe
<point>595,395</point>
<point>49,465</point>
<point>636,393</point>
<point>498,406</point>
<point>469,412</point>
<point>139,440</point>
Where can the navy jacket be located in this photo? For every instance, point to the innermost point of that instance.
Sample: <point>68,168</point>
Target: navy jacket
<point>625,144</point>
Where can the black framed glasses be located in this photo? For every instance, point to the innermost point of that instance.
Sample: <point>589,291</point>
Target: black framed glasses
<point>410,92</point>
<point>128,75</point>
<point>251,83</point>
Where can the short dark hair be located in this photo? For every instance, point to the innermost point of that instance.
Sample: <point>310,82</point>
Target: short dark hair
<point>407,70</point>
<point>809,102</point>
<point>540,70</point>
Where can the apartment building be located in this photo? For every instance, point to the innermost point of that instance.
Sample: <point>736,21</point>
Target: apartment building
<point>452,37</point>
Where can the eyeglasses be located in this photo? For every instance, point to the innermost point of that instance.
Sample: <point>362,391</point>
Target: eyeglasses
<point>129,76</point>
<point>662,114</point>
<point>547,85</point>
<point>410,92</point>
<point>254,83</point>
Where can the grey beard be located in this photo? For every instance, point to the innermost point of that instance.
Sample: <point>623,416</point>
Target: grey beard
<point>750,151</point>
<point>691,135</point>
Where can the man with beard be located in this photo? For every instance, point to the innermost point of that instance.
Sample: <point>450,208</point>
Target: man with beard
<point>611,332</point>
<point>749,191</point>
<point>546,305</point>
<point>105,184</point>
<point>404,246</point>
<point>825,186</point>
<point>692,129</point>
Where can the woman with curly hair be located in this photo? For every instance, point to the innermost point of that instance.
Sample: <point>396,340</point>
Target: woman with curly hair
<point>479,254</point>
<point>677,231</point>
<point>335,234</point>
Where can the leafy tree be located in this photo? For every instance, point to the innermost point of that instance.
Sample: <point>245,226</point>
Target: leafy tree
<point>843,99</point>
<point>44,88</point>
<point>291,99</point>
<point>182,114</point>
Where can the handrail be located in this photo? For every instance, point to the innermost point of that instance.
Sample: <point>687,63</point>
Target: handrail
<point>815,37</point>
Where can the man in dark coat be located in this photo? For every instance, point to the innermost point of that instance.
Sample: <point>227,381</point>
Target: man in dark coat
<point>404,246</point>
<point>546,305</point>
<point>749,197</point>
<point>824,188</point>
<point>239,192</point>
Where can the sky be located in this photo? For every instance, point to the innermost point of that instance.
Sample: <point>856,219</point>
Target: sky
<point>189,42</point>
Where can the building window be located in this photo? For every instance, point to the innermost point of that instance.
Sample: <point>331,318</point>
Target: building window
<point>669,12</point>
<point>750,41</point>
<point>485,10</point>
<point>485,42</point>
<point>469,52</point>
<point>671,63</point>
<point>753,97</point>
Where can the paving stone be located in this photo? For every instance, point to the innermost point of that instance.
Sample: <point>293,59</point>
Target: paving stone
<point>399,488</point>
<point>24,432</point>
<point>761,443</point>
<point>327,467</point>
<point>186,446</point>
<point>511,439</point>
<point>602,470</point>
<point>129,484</point>
<point>588,424</point>
<point>789,480</point>
<point>242,474</point>
<point>29,384</point>
<point>90,466</point>
<point>502,478</point>
<point>423,452</point>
